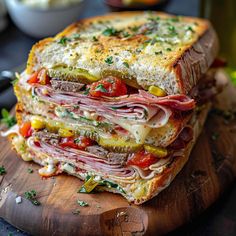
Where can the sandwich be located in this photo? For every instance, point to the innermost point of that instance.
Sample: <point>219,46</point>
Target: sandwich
<point>117,101</point>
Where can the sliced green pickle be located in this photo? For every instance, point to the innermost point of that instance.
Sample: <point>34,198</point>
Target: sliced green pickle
<point>160,152</point>
<point>70,73</point>
<point>88,186</point>
<point>119,145</point>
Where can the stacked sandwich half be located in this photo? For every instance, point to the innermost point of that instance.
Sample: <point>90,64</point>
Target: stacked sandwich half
<point>117,101</point>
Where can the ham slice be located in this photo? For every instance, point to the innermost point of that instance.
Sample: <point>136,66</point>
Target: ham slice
<point>81,159</point>
<point>89,162</point>
<point>141,108</point>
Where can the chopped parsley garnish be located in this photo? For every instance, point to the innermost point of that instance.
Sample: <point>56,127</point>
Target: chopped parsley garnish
<point>30,171</point>
<point>7,118</point>
<point>175,19</point>
<point>125,34</point>
<point>86,91</point>
<point>95,39</point>
<point>109,60</point>
<point>2,170</point>
<point>110,32</point>
<point>82,203</point>
<point>189,28</point>
<point>135,28</point>
<point>101,88</point>
<point>168,49</point>
<point>114,108</point>
<point>63,40</point>
<point>172,30</point>
<point>154,18</point>
<point>126,64</point>
<point>76,212</point>
<point>31,196</point>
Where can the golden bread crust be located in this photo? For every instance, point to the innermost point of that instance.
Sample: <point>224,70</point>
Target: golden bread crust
<point>185,55</point>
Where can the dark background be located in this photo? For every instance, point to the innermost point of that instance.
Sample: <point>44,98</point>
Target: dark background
<point>220,219</point>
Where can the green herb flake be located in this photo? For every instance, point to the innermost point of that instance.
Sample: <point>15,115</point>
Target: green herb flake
<point>86,91</point>
<point>126,34</point>
<point>126,64</point>
<point>82,203</point>
<point>110,32</point>
<point>172,30</point>
<point>30,171</point>
<point>109,60</point>
<point>169,49</point>
<point>101,88</point>
<point>215,136</point>
<point>175,19</point>
<point>135,28</point>
<point>31,196</point>
<point>7,118</point>
<point>76,212</point>
<point>63,41</point>
<point>76,36</point>
<point>95,39</point>
<point>189,28</point>
<point>2,170</point>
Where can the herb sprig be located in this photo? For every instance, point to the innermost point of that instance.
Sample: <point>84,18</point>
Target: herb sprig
<point>109,60</point>
<point>2,170</point>
<point>101,88</point>
<point>63,41</point>
<point>110,31</point>
<point>31,196</point>
<point>82,203</point>
<point>7,119</point>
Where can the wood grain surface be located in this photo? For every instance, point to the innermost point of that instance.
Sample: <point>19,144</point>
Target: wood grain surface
<point>210,170</point>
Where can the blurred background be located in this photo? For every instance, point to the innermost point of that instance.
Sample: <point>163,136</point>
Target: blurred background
<point>24,22</point>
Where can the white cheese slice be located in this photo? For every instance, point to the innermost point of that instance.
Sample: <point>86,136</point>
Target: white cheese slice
<point>140,132</point>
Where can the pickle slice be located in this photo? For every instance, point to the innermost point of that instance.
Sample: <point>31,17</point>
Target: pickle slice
<point>160,152</point>
<point>119,145</point>
<point>73,74</point>
<point>88,186</point>
<point>129,80</point>
<point>155,90</point>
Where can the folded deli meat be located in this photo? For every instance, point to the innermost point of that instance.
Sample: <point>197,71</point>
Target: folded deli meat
<point>117,101</point>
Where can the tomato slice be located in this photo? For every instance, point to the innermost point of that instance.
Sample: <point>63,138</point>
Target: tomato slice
<point>33,78</point>
<point>83,142</point>
<point>76,143</point>
<point>26,129</point>
<point>110,87</point>
<point>142,159</point>
<point>39,77</point>
<point>43,77</point>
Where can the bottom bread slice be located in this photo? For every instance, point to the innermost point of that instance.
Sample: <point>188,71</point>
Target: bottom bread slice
<point>136,188</point>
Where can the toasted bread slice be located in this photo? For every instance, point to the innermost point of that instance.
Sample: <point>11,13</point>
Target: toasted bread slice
<point>143,48</point>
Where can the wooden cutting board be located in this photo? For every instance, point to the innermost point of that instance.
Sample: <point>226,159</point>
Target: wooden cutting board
<point>210,170</point>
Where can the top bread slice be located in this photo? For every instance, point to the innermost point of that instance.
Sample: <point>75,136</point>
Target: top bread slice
<point>152,48</point>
